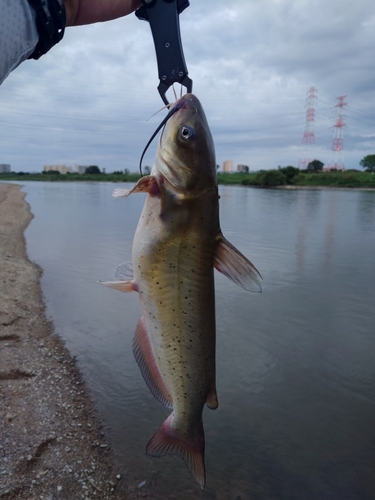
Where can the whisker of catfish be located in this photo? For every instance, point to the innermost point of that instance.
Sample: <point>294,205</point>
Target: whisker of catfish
<point>161,109</point>
<point>175,94</point>
<point>170,113</point>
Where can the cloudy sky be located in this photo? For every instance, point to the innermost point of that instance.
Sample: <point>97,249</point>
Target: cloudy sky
<point>89,100</point>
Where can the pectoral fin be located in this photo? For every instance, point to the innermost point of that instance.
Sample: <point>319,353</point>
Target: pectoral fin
<point>230,262</point>
<point>146,184</point>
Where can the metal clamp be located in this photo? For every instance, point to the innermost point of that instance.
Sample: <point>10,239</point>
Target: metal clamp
<point>163,16</point>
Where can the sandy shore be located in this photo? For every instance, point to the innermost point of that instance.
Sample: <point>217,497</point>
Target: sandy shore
<point>51,442</point>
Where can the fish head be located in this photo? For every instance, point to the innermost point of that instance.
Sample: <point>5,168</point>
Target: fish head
<point>186,154</point>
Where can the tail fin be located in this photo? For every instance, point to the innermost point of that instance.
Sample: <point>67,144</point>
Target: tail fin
<point>168,441</point>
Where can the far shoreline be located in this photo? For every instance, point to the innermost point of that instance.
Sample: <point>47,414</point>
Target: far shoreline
<point>347,180</point>
<point>281,178</point>
<point>317,188</point>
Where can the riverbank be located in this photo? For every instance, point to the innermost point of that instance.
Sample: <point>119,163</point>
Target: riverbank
<point>52,445</point>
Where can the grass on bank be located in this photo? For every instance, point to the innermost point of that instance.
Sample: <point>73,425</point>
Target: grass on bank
<point>25,176</point>
<point>266,178</point>
<point>293,177</point>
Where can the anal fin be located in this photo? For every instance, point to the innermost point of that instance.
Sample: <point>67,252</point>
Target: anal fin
<point>147,364</point>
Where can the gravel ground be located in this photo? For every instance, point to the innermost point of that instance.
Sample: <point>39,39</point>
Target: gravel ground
<point>51,442</point>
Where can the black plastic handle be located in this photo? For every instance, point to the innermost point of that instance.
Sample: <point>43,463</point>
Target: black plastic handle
<point>163,16</point>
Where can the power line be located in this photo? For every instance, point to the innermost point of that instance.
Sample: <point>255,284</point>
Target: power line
<point>308,139</point>
<point>337,145</point>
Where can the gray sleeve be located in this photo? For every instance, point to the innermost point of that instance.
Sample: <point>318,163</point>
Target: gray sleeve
<point>18,34</point>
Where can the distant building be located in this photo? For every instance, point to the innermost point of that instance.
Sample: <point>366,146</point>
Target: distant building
<point>243,168</point>
<point>4,167</point>
<point>80,169</point>
<point>333,168</point>
<point>228,166</point>
<point>63,169</point>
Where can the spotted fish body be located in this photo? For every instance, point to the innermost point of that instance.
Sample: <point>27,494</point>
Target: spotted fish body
<point>177,244</point>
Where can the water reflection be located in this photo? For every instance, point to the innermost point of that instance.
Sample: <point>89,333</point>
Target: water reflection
<point>302,231</point>
<point>295,370</point>
<point>330,228</point>
<point>366,211</point>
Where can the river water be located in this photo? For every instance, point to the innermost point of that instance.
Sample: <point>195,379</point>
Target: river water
<point>295,364</point>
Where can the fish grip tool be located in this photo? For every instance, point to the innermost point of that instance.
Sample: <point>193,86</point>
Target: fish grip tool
<point>163,16</point>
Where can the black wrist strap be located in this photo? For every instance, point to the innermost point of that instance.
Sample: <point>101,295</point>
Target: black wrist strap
<point>50,22</point>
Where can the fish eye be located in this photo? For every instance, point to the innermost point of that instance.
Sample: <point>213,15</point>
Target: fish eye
<point>187,132</point>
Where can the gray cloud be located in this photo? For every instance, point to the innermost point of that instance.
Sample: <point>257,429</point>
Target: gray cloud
<point>252,62</point>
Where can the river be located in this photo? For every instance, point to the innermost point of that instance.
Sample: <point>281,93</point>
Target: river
<point>295,364</point>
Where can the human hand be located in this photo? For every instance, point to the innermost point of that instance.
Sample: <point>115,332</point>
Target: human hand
<point>80,12</point>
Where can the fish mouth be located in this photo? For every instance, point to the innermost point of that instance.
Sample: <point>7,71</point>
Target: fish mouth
<point>185,102</point>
